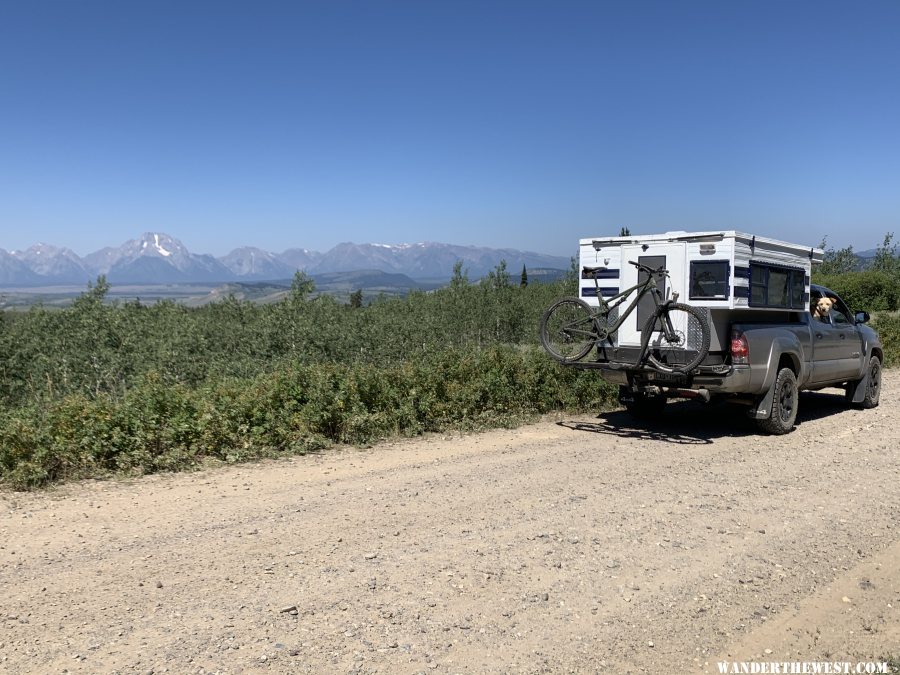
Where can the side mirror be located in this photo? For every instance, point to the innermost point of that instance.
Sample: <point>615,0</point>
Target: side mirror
<point>862,317</point>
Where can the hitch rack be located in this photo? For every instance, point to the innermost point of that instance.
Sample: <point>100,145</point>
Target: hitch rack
<point>719,369</point>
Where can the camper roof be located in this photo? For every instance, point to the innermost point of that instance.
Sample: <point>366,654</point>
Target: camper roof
<point>706,236</point>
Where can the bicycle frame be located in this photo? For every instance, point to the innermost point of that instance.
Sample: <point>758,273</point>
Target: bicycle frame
<point>648,286</point>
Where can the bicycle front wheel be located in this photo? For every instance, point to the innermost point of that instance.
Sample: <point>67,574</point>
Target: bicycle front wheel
<point>677,338</point>
<point>567,330</point>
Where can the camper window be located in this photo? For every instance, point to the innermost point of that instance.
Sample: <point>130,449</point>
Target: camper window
<point>709,279</point>
<point>776,286</point>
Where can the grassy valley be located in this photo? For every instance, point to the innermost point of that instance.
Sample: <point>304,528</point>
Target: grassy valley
<point>341,285</point>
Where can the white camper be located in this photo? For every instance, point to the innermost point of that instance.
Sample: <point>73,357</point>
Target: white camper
<point>722,271</point>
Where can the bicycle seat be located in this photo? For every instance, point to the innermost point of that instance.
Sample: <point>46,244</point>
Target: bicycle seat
<point>594,270</point>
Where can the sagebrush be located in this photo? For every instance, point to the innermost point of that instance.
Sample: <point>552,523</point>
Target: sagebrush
<point>101,388</point>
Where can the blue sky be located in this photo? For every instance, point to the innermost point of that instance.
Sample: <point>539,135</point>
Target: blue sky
<point>519,124</point>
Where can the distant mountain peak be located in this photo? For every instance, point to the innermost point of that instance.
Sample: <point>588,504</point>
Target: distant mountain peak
<point>53,263</point>
<point>156,245</point>
<point>249,262</point>
<point>44,249</point>
<point>160,243</point>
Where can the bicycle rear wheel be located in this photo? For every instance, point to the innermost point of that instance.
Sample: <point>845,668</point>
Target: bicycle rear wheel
<point>685,343</point>
<point>567,330</point>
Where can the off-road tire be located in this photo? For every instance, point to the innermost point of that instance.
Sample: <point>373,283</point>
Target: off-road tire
<point>784,404</point>
<point>873,386</point>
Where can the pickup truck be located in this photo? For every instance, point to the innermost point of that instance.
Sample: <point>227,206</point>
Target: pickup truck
<point>771,358</point>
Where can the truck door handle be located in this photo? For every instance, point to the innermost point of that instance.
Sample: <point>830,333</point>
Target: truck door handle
<point>819,335</point>
<point>843,337</point>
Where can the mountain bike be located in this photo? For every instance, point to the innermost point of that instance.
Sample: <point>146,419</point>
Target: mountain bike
<point>674,339</point>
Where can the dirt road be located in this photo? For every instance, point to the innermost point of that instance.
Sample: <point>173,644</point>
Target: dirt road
<point>582,544</point>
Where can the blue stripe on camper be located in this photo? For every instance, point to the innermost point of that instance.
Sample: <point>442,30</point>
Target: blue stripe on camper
<point>601,274</point>
<point>741,292</point>
<point>608,292</point>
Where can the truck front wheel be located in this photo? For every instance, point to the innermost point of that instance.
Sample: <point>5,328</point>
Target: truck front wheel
<point>784,404</point>
<point>873,386</point>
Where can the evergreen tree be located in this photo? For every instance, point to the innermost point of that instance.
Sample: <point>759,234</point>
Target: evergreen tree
<point>524,280</point>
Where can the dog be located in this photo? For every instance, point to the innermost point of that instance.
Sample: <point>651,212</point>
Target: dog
<point>822,310</point>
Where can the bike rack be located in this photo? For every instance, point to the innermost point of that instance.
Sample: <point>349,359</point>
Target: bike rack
<point>721,369</point>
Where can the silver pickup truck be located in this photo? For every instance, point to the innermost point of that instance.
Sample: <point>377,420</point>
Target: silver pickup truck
<point>770,359</point>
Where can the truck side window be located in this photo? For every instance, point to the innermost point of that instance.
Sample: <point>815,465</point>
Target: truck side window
<point>840,315</point>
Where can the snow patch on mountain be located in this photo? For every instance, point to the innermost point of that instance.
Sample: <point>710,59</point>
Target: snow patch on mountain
<point>159,248</point>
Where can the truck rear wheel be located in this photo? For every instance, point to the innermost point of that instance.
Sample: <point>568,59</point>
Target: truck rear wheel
<point>784,404</point>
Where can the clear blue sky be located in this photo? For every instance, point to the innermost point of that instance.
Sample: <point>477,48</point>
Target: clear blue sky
<point>520,124</point>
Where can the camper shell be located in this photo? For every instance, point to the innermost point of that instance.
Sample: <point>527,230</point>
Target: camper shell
<point>732,275</point>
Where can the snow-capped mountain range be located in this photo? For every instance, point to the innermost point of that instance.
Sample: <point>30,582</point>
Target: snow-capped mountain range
<point>159,258</point>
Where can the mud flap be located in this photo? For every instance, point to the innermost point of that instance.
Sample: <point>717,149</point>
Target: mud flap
<point>859,388</point>
<point>763,408</point>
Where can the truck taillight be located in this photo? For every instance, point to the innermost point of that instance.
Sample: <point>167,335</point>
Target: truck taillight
<point>740,350</point>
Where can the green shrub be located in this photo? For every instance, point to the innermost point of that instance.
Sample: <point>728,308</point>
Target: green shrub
<point>888,327</point>
<point>869,291</point>
<point>161,426</point>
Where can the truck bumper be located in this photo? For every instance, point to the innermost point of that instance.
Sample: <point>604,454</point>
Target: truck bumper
<point>738,381</point>
<point>715,379</point>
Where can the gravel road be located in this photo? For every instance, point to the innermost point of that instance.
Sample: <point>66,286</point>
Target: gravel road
<point>578,544</point>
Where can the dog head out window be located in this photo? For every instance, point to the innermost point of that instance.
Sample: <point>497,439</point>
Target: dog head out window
<point>828,308</point>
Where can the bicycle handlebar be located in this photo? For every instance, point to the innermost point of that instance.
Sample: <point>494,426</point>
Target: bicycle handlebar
<point>649,270</point>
